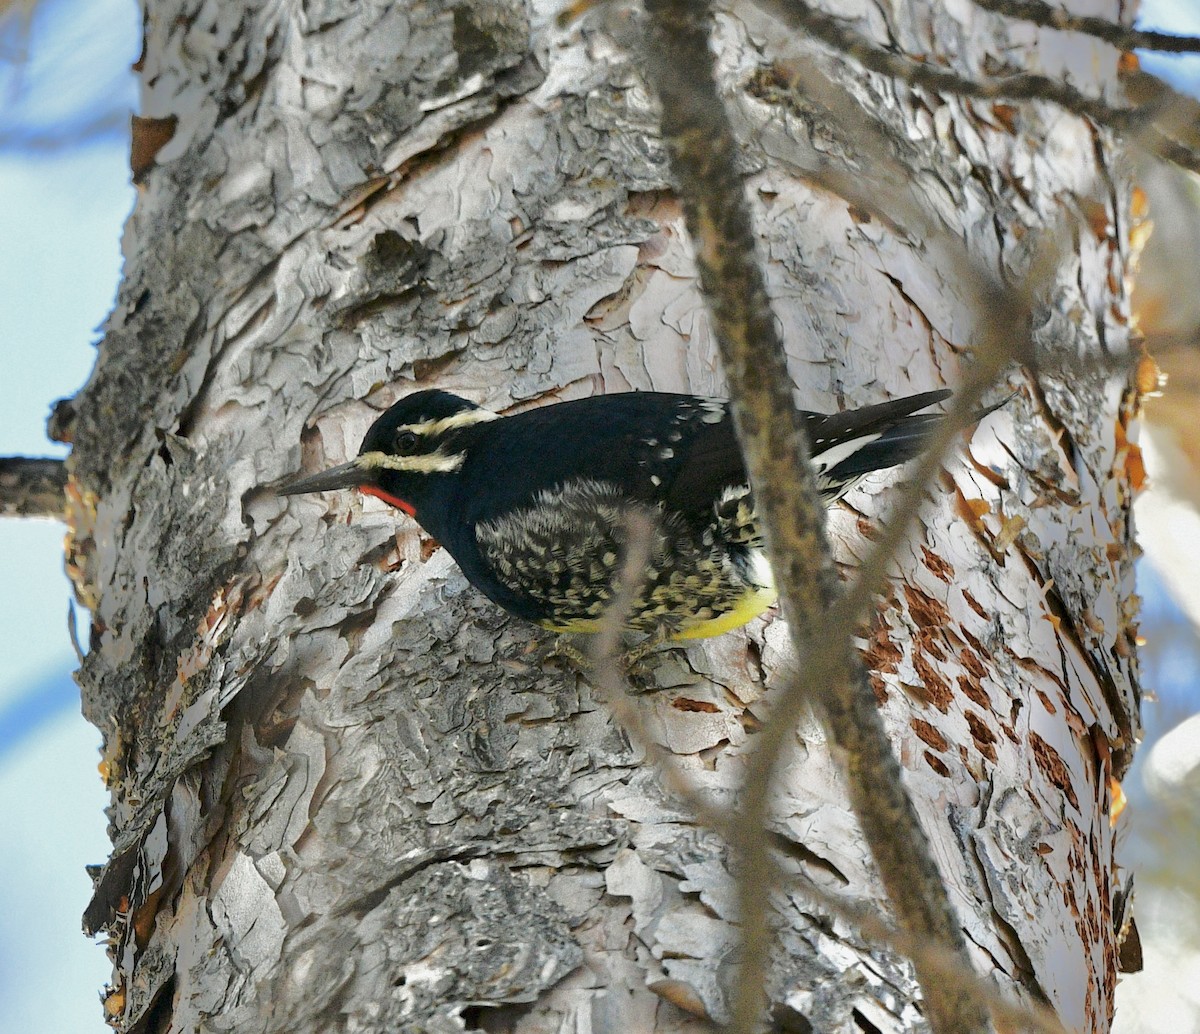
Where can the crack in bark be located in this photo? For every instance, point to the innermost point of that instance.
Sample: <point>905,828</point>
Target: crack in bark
<point>421,860</point>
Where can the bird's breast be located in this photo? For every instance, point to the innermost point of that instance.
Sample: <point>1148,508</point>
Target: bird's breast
<point>564,551</point>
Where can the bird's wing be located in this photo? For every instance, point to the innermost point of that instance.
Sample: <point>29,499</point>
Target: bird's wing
<point>680,450</point>
<point>697,457</point>
<point>847,445</point>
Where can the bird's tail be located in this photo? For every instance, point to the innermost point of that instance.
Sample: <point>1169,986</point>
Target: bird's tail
<point>903,433</point>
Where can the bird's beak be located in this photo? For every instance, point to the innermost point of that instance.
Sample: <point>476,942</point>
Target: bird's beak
<point>348,475</point>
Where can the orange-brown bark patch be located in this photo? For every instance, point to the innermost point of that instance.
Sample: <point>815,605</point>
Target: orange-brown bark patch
<point>879,688</point>
<point>148,136</point>
<point>926,643</point>
<point>929,734</point>
<point>925,610</point>
<point>881,653</point>
<point>687,704</point>
<point>1047,703</point>
<point>985,739</point>
<point>1053,767</point>
<point>974,604</point>
<point>973,690</point>
<point>937,690</point>
<point>936,763</point>
<point>969,659</point>
<point>1006,115</point>
<point>937,566</point>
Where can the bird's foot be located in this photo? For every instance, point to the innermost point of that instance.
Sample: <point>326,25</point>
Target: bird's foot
<point>634,658</point>
<point>636,665</point>
<point>563,649</point>
<point>637,662</point>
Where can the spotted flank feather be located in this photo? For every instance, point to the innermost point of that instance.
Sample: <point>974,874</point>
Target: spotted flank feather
<point>565,552</point>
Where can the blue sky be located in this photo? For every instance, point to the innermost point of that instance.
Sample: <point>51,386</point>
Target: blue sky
<point>60,223</point>
<point>1181,17</point>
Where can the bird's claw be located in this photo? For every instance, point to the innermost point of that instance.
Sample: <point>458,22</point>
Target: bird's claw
<point>562,648</point>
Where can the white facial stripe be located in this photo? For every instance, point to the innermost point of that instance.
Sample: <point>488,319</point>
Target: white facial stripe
<point>429,463</point>
<point>464,419</point>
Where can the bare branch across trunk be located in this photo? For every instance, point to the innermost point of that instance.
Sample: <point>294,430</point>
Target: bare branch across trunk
<point>32,487</point>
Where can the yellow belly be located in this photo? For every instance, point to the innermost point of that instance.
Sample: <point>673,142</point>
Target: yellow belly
<point>751,604</point>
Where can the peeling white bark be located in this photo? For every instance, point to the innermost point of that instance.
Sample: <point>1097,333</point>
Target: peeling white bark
<point>344,796</point>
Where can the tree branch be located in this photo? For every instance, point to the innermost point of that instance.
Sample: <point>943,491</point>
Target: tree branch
<point>704,159</point>
<point>863,917</point>
<point>32,487</point>
<point>1153,133</point>
<point>1101,28</point>
<point>606,677</point>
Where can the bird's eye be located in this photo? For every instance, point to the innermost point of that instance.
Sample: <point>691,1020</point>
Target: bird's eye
<point>406,442</point>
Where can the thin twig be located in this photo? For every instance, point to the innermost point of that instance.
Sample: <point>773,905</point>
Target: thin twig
<point>1101,28</point>
<point>863,917</point>
<point>605,650</point>
<point>32,487</point>
<point>835,32</point>
<point>1004,328</point>
<point>704,159</point>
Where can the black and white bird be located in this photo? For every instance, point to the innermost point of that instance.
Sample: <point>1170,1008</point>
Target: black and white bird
<point>533,506</point>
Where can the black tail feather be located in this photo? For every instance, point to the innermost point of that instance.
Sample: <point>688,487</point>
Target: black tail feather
<point>902,441</point>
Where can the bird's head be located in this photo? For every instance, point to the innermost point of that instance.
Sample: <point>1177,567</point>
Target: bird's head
<point>401,456</point>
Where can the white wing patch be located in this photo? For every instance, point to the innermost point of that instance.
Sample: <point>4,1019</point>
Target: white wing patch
<point>759,570</point>
<point>733,493</point>
<point>831,457</point>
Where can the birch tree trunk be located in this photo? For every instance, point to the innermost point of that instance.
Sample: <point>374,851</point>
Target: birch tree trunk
<point>345,795</point>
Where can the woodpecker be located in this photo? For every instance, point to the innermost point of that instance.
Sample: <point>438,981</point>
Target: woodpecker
<point>533,506</point>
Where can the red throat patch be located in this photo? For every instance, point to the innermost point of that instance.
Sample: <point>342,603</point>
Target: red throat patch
<point>391,500</point>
